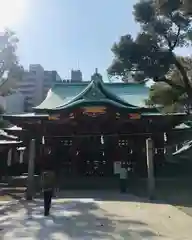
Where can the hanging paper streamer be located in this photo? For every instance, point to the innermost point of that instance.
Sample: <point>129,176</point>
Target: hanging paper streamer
<point>43,140</point>
<point>9,157</point>
<point>156,151</point>
<point>102,140</point>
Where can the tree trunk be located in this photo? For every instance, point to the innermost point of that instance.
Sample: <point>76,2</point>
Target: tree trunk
<point>180,67</point>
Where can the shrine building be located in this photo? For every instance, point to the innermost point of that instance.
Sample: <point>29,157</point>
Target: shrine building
<point>89,126</point>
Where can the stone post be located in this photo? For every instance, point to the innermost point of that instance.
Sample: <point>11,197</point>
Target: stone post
<point>31,168</point>
<point>150,168</point>
<point>9,157</point>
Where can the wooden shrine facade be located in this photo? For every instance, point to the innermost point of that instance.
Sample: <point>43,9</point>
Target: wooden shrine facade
<point>90,129</point>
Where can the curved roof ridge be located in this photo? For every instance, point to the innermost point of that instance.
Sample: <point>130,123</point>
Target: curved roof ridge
<point>47,97</point>
<point>63,95</point>
<point>77,97</point>
<point>81,101</point>
<point>99,84</point>
<point>114,97</point>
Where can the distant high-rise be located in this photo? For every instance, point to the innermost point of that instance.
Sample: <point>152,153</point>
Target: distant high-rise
<point>35,84</point>
<point>76,76</point>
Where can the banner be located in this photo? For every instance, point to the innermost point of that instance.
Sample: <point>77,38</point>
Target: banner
<point>117,167</point>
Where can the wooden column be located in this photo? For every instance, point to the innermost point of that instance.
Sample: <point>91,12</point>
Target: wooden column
<point>31,168</point>
<point>150,168</point>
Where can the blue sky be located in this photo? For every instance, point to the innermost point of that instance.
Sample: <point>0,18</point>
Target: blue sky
<point>66,34</point>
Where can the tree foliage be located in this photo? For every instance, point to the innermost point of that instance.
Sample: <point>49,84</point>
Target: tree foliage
<point>165,25</point>
<point>9,65</point>
<point>183,5</point>
<point>168,97</point>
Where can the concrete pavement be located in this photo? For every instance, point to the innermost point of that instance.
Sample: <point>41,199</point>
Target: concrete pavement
<point>110,216</point>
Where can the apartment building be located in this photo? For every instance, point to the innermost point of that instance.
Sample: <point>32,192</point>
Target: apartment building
<point>76,76</point>
<point>35,84</point>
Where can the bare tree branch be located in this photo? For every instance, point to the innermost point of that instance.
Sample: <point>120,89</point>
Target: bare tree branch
<point>176,41</point>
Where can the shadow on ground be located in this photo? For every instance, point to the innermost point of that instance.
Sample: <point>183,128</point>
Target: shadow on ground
<point>72,219</point>
<point>14,193</point>
<point>177,192</point>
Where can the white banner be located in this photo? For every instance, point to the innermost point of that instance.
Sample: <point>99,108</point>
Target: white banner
<point>117,167</point>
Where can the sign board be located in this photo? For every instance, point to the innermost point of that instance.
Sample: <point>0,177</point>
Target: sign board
<point>54,117</point>
<point>94,111</point>
<point>134,116</point>
<point>117,167</point>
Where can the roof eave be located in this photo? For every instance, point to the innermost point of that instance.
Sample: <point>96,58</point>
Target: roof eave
<point>23,116</point>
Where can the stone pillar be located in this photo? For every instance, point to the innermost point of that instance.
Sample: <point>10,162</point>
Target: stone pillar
<point>21,156</point>
<point>31,168</point>
<point>150,168</point>
<point>9,157</point>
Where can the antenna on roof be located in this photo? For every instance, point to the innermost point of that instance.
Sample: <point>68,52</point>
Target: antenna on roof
<point>96,70</point>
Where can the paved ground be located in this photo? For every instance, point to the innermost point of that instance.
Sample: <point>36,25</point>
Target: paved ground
<point>87,217</point>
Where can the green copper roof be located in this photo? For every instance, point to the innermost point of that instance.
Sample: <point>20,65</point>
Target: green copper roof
<point>122,95</point>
